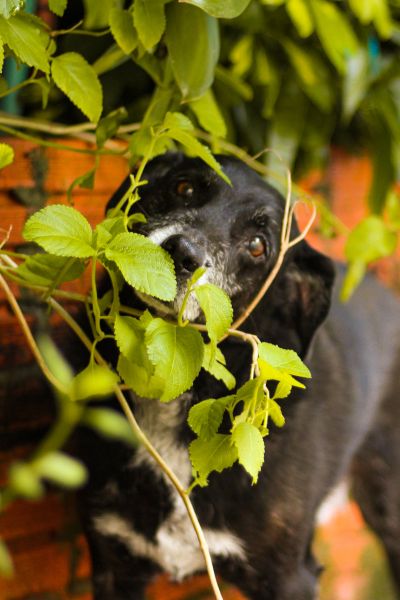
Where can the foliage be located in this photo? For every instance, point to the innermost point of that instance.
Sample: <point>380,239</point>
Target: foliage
<point>292,75</point>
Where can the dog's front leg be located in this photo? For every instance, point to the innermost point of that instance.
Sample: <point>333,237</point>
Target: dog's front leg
<point>117,574</point>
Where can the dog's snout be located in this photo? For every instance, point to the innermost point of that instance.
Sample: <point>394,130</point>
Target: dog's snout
<point>186,254</point>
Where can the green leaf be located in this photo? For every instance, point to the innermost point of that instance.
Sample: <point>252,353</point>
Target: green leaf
<point>149,21</point>
<point>129,335</point>
<point>110,424</point>
<point>177,125</point>
<point>97,13</point>
<point>58,6</point>
<point>61,469</point>
<point>286,361</point>
<point>208,114</point>
<point>8,8</point>
<point>369,240</point>
<point>94,381</point>
<point>215,454</point>
<point>334,31</point>
<point>24,481</point>
<point>177,355</point>
<point>113,57</point>
<point>299,12</point>
<point>205,417</point>
<point>374,10</point>
<point>214,363</point>
<point>1,56</point>
<point>275,412</point>
<point>45,269</point>
<point>217,307</point>
<point>6,563</point>
<point>60,230</point>
<point>78,80</point>
<point>193,43</point>
<point>6,155</point>
<point>28,41</point>
<point>250,448</point>
<point>108,126</point>
<point>144,265</point>
<point>313,75</point>
<point>140,379</point>
<point>354,275</point>
<point>55,360</point>
<point>122,29</point>
<point>355,83</point>
<point>223,9</point>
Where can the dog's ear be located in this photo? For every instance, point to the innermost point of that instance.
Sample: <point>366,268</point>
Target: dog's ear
<point>300,298</point>
<point>155,170</point>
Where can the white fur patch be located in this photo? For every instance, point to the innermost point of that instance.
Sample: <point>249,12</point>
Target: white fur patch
<point>158,236</point>
<point>176,548</point>
<point>333,503</point>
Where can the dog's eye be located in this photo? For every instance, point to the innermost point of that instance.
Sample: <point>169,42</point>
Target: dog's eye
<point>257,246</point>
<point>184,188</point>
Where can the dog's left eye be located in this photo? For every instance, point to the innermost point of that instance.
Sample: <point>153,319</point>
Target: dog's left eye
<point>184,188</point>
<point>257,246</point>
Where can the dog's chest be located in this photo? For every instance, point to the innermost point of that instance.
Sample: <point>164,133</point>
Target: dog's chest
<point>174,547</point>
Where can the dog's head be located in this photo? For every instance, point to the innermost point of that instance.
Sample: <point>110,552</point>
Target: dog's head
<point>233,231</point>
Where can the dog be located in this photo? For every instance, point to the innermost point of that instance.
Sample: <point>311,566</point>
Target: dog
<point>345,424</point>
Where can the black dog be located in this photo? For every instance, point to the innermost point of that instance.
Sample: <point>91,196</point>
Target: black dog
<point>347,421</point>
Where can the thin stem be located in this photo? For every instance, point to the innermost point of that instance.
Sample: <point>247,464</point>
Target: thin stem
<point>29,337</point>
<point>149,447</point>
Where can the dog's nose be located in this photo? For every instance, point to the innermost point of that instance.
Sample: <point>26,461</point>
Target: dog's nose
<point>186,254</point>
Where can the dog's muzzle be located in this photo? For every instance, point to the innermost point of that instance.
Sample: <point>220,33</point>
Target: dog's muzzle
<point>188,255</point>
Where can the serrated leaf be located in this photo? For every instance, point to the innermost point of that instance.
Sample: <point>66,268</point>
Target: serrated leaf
<point>286,361</point>
<point>6,155</point>
<point>45,269</point>
<point>205,417</point>
<point>78,80</point>
<point>214,363</point>
<point>215,454</point>
<point>6,563</point>
<point>149,18</point>
<point>110,424</point>
<point>144,265</point>
<point>58,6</point>
<point>275,412</point>
<point>129,335</point>
<point>177,355</point>
<point>193,64</point>
<point>8,8</point>
<point>140,379</point>
<point>122,29</point>
<point>217,307</point>
<point>94,381</point>
<point>223,9</point>
<point>250,448</point>
<point>60,230</point>
<point>108,126</point>
<point>61,469</point>
<point>208,114</point>
<point>299,12</point>
<point>28,41</point>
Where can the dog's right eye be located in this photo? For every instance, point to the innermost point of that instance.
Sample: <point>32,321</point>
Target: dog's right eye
<point>185,189</point>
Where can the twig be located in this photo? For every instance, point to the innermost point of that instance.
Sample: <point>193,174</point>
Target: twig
<point>285,244</point>
<point>29,337</point>
<point>149,447</point>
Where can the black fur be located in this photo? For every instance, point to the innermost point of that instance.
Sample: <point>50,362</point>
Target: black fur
<point>347,421</point>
